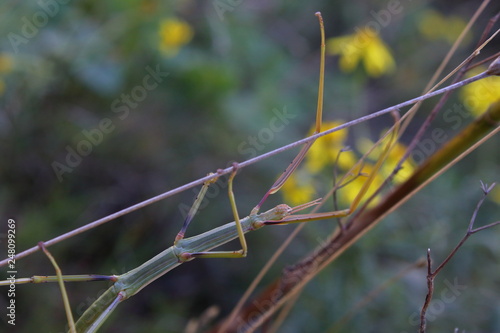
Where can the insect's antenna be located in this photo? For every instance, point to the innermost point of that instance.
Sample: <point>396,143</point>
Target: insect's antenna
<point>319,116</point>
<point>319,109</point>
<point>305,205</point>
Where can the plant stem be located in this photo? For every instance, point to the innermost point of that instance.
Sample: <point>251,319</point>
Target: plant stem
<point>277,293</point>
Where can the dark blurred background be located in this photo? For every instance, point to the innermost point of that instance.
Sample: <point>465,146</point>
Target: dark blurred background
<point>223,69</point>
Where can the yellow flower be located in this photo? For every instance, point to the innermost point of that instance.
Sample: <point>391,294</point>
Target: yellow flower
<point>495,194</point>
<point>435,26</point>
<point>173,35</point>
<point>478,95</point>
<point>364,45</point>
<point>396,153</point>
<point>407,168</point>
<point>325,151</point>
<point>298,189</point>
<point>324,155</point>
<point>5,63</point>
<point>348,193</point>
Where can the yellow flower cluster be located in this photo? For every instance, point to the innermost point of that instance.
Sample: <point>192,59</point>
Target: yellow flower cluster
<point>434,26</point>
<point>478,95</point>
<point>495,194</point>
<point>329,152</point>
<point>365,46</point>
<point>299,188</point>
<point>6,65</point>
<point>397,151</point>
<point>174,34</point>
<point>325,151</point>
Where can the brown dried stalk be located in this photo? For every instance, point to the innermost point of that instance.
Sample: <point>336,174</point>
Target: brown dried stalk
<point>432,275</point>
<point>294,278</point>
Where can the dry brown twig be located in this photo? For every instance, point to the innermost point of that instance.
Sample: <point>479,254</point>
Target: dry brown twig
<point>431,275</point>
<point>303,270</point>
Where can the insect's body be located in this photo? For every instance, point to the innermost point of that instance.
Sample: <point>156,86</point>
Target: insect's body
<point>183,250</point>
<point>200,246</point>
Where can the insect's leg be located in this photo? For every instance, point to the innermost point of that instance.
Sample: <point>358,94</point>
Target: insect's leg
<point>92,323</point>
<point>194,209</point>
<point>393,137</point>
<point>67,307</point>
<point>319,116</point>
<point>362,192</point>
<point>241,235</point>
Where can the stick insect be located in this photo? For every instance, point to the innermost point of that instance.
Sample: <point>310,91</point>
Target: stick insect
<point>187,249</point>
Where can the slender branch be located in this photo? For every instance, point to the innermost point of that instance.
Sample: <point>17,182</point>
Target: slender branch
<point>296,277</point>
<point>431,275</point>
<point>67,307</point>
<point>485,60</point>
<point>493,69</point>
<point>464,67</point>
<point>246,163</point>
<point>373,294</point>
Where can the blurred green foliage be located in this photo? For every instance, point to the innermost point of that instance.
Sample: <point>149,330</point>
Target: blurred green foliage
<point>67,70</point>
